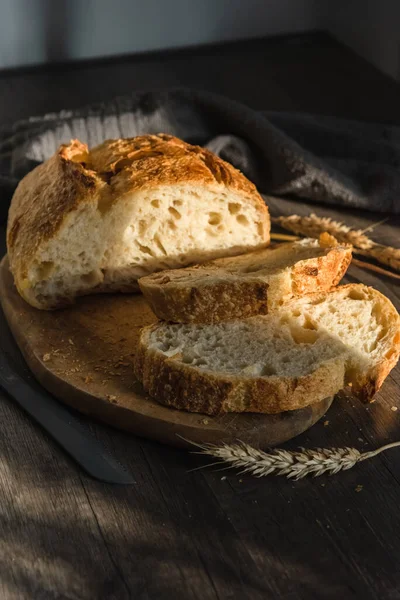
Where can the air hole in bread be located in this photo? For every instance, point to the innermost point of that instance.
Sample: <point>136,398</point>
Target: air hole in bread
<point>175,213</point>
<point>159,244</point>
<point>242,219</point>
<point>376,312</point>
<point>214,218</point>
<point>356,294</point>
<point>260,229</point>
<point>91,278</point>
<point>303,336</point>
<point>171,224</point>
<point>308,324</point>
<point>177,202</point>
<point>234,208</point>
<point>104,203</point>
<point>267,370</point>
<point>145,249</point>
<point>44,270</point>
<point>155,203</point>
<point>296,313</point>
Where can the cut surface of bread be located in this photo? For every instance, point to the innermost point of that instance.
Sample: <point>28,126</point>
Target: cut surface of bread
<point>307,350</point>
<point>95,221</point>
<point>246,285</point>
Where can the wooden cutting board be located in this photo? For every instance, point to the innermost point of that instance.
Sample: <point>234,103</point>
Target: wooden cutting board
<point>83,355</point>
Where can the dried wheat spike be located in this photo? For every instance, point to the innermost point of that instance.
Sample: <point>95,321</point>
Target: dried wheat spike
<point>313,226</point>
<point>293,465</point>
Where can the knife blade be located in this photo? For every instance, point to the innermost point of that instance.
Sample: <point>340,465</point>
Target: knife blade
<point>64,427</point>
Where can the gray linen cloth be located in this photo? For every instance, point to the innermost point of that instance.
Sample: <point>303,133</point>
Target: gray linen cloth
<point>319,159</point>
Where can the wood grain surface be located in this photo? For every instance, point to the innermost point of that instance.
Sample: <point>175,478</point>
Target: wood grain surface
<point>208,534</point>
<point>83,355</point>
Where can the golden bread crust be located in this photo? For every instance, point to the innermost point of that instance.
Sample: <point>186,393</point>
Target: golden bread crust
<point>227,295</point>
<point>368,384</point>
<point>175,384</point>
<point>75,176</point>
<point>41,202</point>
<point>160,159</point>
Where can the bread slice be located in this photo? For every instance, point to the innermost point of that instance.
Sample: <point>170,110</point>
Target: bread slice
<point>306,351</point>
<point>95,221</point>
<point>246,285</point>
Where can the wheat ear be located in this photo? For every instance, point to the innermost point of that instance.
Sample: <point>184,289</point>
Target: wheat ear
<point>293,465</point>
<point>313,226</point>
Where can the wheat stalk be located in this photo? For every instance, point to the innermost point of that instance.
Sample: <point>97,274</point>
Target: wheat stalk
<point>282,237</point>
<point>293,465</point>
<point>313,226</point>
<point>374,268</point>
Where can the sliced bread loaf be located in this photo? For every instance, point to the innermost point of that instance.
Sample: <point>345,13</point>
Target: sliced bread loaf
<point>246,285</point>
<point>95,221</point>
<point>307,350</point>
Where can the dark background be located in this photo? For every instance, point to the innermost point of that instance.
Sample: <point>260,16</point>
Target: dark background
<point>205,534</point>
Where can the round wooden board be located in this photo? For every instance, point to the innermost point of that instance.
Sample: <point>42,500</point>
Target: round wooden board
<point>83,356</point>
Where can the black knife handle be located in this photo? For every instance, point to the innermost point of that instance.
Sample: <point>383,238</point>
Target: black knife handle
<point>62,426</point>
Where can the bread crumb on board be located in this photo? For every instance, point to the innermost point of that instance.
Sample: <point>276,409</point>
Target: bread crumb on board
<point>46,357</point>
<point>112,398</point>
<point>359,488</point>
<point>393,408</point>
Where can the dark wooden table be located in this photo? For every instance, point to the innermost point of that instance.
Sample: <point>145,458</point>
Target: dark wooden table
<point>205,534</point>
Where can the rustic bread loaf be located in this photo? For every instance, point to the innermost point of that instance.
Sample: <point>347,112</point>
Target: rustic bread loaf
<point>95,221</point>
<point>305,351</point>
<point>246,285</point>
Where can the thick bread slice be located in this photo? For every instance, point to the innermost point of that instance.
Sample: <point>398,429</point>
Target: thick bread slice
<point>243,286</point>
<point>95,221</point>
<point>307,350</point>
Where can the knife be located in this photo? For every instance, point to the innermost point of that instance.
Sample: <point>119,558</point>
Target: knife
<point>63,426</point>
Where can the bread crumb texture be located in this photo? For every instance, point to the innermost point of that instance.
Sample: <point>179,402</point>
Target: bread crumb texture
<point>95,221</point>
<point>246,285</point>
<point>309,349</point>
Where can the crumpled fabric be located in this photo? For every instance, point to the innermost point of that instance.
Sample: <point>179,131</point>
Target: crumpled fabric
<point>318,159</point>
